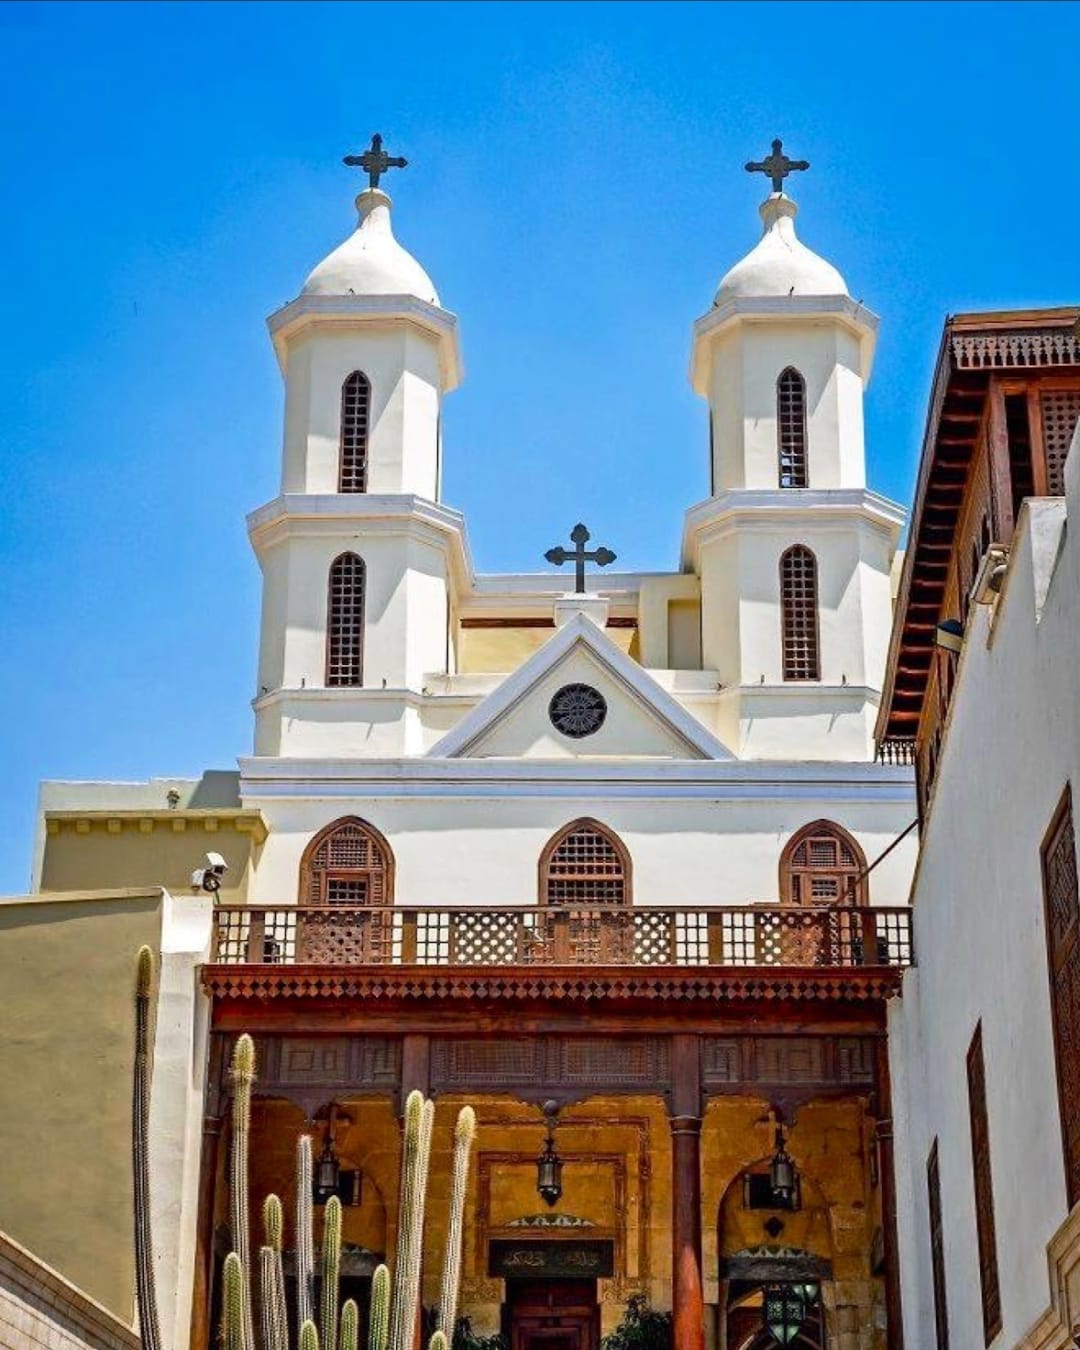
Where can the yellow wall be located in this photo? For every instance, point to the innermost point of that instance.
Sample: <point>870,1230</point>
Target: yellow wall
<point>67,968</point>
<point>102,852</point>
<point>492,650</point>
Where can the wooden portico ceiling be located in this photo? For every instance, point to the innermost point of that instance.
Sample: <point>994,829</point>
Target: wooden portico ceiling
<point>974,348</point>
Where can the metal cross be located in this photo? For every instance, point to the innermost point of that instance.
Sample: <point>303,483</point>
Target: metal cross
<point>375,161</point>
<point>579,537</point>
<point>777,166</point>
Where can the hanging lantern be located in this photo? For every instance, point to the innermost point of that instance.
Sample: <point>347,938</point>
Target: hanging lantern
<point>784,1311</point>
<point>549,1165</point>
<point>783,1178</point>
<point>327,1168</point>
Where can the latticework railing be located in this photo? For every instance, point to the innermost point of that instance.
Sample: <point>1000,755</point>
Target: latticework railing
<point>755,935</point>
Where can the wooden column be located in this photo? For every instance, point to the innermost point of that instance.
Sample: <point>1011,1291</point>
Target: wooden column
<point>893,1307</point>
<point>997,436</point>
<point>688,1300</point>
<point>204,1238</point>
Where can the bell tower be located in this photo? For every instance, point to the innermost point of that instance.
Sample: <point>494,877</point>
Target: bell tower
<point>792,549</point>
<point>356,552</point>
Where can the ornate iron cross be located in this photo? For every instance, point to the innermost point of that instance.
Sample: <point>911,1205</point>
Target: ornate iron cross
<point>777,166</point>
<point>375,161</point>
<point>579,537</point>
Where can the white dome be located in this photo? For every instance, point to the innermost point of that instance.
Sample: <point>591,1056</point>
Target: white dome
<point>779,264</point>
<point>371,261</point>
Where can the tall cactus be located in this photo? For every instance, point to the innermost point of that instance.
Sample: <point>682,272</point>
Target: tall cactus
<point>379,1316</point>
<point>350,1326</point>
<point>145,1286</point>
<point>275,1327</point>
<point>438,1341</point>
<point>464,1134</point>
<point>331,1272</point>
<point>305,1227</point>
<point>419,1116</point>
<point>243,1076</point>
<point>309,1337</point>
<point>233,1303</point>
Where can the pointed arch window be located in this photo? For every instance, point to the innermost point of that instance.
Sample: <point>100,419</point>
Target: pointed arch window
<point>345,621</point>
<point>791,429</point>
<point>585,864</point>
<point>823,865</point>
<point>355,416</point>
<point>799,614</point>
<point>347,863</point>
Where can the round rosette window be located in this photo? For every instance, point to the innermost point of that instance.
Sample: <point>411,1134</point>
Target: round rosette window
<point>577,710</point>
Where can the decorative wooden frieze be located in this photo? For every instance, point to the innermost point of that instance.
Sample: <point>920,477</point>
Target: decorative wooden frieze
<point>357,1064</point>
<point>732,1063</point>
<point>551,1063</point>
<point>1002,351</point>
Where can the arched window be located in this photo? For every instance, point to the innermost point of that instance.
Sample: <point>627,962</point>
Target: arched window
<point>345,621</point>
<point>355,414</point>
<point>799,614</point>
<point>347,863</point>
<point>585,864</point>
<point>791,429</point>
<point>822,865</point>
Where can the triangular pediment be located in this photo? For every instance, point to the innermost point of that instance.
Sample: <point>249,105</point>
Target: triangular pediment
<point>641,719</point>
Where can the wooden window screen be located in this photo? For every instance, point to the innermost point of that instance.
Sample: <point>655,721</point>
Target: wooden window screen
<point>1060,412</point>
<point>348,863</point>
<point>1062,907</point>
<point>822,865</point>
<point>355,414</point>
<point>937,1249</point>
<point>984,1188</point>
<point>585,864</point>
<point>345,621</point>
<point>791,429</point>
<point>799,614</point>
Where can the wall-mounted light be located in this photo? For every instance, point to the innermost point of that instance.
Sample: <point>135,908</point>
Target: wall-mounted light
<point>549,1165</point>
<point>783,1311</point>
<point>783,1178</point>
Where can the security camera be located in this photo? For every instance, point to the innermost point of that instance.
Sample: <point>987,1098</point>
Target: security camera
<point>208,877</point>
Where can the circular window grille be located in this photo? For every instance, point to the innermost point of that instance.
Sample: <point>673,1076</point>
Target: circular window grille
<point>577,710</point>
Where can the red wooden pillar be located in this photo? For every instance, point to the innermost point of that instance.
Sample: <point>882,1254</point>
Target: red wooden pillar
<point>688,1298</point>
<point>204,1241</point>
<point>893,1307</point>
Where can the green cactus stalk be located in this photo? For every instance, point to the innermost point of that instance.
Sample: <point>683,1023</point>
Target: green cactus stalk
<point>464,1134</point>
<point>438,1341</point>
<point>272,1317</point>
<point>305,1229</point>
<point>379,1316</point>
<point>350,1325</point>
<point>145,1285</point>
<point>406,1296</point>
<point>309,1337</point>
<point>233,1311</point>
<point>243,1076</point>
<point>331,1271</point>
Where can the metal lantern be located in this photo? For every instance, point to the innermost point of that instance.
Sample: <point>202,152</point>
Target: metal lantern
<point>549,1165</point>
<point>327,1167</point>
<point>784,1311</point>
<point>783,1178</point>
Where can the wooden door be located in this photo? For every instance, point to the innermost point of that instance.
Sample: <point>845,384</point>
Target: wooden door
<point>553,1315</point>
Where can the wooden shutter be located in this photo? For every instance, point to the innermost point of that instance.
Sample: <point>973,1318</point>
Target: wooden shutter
<point>1062,908</point>
<point>347,863</point>
<point>585,864</point>
<point>984,1188</point>
<point>937,1249</point>
<point>1060,411</point>
<point>799,614</point>
<point>345,621</point>
<point>791,429</point>
<point>355,415</point>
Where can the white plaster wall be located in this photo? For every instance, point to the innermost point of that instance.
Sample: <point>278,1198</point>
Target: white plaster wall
<point>1012,744</point>
<point>747,361</point>
<point>402,364</point>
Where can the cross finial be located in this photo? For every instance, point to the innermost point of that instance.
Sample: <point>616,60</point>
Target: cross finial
<point>777,165</point>
<point>375,161</point>
<point>579,537</point>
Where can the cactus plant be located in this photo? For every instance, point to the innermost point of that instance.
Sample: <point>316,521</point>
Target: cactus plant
<point>331,1271</point>
<point>243,1076</point>
<point>309,1337</point>
<point>145,1287</point>
<point>379,1316</point>
<point>438,1341</point>
<point>305,1242</point>
<point>464,1134</point>
<point>275,1331</point>
<point>233,1304</point>
<point>350,1325</point>
<point>419,1115</point>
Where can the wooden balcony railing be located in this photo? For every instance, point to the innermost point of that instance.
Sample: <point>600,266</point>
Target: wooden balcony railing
<point>401,935</point>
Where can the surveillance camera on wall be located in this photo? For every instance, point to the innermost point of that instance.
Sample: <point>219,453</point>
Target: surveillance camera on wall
<point>208,877</point>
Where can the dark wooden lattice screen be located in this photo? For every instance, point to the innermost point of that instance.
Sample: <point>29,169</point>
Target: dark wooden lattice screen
<point>937,1250</point>
<point>348,863</point>
<point>1060,411</point>
<point>1062,903</point>
<point>822,867</point>
<point>984,1189</point>
<point>799,614</point>
<point>355,414</point>
<point>791,429</point>
<point>585,865</point>
<point>345,621</point>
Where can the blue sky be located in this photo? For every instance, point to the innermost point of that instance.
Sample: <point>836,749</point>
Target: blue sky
<point>172,172</point>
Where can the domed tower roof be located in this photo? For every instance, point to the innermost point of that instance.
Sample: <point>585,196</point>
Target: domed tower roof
<point>371,261</point>
<point>779,264</point>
